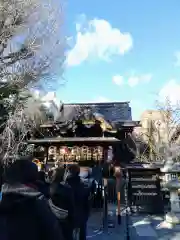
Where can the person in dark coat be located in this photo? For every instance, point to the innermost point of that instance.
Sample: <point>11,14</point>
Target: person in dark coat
<point>42,176</point>
<point>81,193</point>
<point>42,185</point>
<point>97,174</point>
<point>24,212</point>
<point>87,178</point>
<point>62,196</point>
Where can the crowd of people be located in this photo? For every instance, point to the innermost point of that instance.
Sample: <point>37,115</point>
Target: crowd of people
<point>36,205</point>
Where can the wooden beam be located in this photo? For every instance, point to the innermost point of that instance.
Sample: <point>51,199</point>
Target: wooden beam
<point>74,140</point>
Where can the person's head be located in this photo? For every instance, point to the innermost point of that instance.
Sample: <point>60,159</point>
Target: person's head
<point>58,175</point>
<point>74,170</point>
<point>22,171</point>
<point>117,171</point>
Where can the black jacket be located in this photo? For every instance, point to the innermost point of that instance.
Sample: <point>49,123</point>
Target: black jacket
<point>25,214</point>
<point>89,182</point>
<point>62,196</point>
<point>43,187</point>
<point>81,192</point>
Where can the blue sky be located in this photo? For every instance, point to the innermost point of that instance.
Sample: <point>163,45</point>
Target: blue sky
<point>123,51</point>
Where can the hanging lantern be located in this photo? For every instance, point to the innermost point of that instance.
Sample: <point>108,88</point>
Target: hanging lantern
<point>64,150</point>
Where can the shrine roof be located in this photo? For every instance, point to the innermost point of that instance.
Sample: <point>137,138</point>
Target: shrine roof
<point>96,103</point>
<point>111,111</point>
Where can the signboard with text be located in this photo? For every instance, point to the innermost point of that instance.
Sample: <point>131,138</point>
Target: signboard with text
<point>144,190</point>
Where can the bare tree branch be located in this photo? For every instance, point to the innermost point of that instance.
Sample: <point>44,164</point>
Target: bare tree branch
<point>31,40</point>
<point>161,136</point>
<point>32,54</point>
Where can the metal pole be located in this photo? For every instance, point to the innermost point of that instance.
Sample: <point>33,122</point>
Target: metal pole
<point>105,206</point>
<point>118,183</point>
<point>127,206</point>
<point>119,208</point>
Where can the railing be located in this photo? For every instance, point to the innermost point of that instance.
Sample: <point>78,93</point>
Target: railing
<point>106,198</point>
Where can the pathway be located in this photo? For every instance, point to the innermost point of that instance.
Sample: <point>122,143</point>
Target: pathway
<point>140,227</point>
<point>95,230</point>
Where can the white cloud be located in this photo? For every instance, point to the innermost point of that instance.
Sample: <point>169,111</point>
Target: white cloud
<point>118,80</point>
<point>97,38</point>
<point>135,80</point>
<point>146,78</point>
<point>170,91</point>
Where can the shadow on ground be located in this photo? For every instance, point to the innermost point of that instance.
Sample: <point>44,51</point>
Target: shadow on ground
<point>95,228</point>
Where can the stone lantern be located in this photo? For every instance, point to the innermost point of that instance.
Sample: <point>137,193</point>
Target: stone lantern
<point>172,183</point>
<point>167,169</point>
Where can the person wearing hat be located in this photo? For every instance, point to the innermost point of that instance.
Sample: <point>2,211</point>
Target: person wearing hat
<point>24,212</point>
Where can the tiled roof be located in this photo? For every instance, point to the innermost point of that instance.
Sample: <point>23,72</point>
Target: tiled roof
<point>116,111</point>
<point>69,113</point>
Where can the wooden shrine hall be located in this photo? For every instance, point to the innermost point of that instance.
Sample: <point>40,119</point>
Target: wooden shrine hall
<point>86,125</point>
